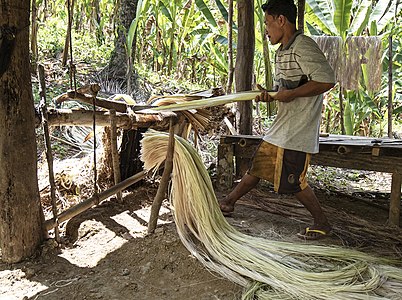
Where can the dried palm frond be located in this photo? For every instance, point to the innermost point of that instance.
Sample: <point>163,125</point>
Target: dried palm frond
<point>267,269</point>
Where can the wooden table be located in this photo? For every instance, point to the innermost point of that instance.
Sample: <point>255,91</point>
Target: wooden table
<point>350,152</point>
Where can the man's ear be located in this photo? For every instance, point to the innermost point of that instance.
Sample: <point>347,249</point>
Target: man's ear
<point>282,20</point>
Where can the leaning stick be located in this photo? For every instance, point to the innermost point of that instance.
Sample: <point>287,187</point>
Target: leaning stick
<point>49,155</point>
<point>88,203</point>
<point>162,189</point>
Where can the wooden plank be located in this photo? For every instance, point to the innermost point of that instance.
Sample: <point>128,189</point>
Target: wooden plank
<point>358,161</point>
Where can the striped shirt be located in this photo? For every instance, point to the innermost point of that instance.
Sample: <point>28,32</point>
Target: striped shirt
<point>297,124</point>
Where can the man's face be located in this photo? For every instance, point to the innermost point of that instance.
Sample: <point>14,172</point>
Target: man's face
<point>273,28</point>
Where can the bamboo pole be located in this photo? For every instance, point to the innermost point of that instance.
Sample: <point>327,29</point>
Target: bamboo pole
<point>115,154</point>
<point>48,147</point>
<point>88,203</point>
<point>156,205</point>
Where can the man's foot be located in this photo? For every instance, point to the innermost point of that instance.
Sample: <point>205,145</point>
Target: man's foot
<point>315,232</point>
<point>226,207</point>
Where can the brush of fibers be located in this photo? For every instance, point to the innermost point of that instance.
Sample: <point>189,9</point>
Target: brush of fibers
<point>267,269</point>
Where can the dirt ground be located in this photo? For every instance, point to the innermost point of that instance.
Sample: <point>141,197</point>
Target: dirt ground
<point>105,252</point>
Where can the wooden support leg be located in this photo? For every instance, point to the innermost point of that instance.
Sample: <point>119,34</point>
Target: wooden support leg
<point>162,189</point>
<point>225,167</point>
<point>395,203</point>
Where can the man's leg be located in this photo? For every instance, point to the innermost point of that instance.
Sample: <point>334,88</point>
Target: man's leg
<point>308,198</point>
<point>247,183</point>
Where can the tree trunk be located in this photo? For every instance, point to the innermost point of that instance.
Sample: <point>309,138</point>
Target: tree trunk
<point>34,36</point>
<point>244,62</point>
<point>118,61</point>
<point>244,69</point>
<point>230,47</point>
<point>20,210</point>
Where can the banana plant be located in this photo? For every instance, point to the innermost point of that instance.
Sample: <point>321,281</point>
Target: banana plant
<point>347,18</point>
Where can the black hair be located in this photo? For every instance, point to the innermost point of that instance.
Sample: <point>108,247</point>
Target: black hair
<point>276,8</point>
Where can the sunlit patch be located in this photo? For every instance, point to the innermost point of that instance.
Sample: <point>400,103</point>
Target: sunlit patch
<point>137,222</point>
<point>91,233</point>
<point>16,286</point>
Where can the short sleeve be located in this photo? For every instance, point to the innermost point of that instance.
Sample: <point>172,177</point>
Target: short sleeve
<point>312,61</point>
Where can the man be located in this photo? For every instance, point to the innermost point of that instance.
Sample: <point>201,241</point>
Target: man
<point>302,76</point>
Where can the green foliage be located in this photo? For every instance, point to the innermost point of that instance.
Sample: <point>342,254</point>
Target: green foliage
<point>186,41</point>
<point>87,46</point>
<point>347,18</point>
<point>51,37</point>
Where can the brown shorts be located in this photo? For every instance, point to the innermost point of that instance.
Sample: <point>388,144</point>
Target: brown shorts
<point>286,169</point>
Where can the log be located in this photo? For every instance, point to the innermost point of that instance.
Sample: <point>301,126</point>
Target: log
<point>88,203</point>
<point>89,89</point>
<point>108,104</point>
<point>63,117</point>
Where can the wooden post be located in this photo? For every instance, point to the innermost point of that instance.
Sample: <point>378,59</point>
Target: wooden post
<point>48,147</point>
<point>160,194</point>
<point>225,166</point>
<point>115,154</point>
<point>244,70</point>
<point>395,201</point>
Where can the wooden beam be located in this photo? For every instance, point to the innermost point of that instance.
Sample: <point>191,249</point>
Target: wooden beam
<point>62,117</point>
<point>108,104</point>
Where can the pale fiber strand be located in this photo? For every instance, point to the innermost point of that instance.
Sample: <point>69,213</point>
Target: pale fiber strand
<point>282,270</point>
<point>214,101</point>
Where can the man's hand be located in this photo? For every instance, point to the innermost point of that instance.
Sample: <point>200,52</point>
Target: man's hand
<point>264,96</point>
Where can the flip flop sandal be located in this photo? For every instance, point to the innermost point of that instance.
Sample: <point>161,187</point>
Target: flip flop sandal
<point>319,234</point>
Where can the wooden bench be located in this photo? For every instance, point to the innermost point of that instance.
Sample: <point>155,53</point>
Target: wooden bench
<point>350,152</point>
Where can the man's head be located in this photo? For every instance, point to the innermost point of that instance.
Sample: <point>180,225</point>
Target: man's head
<point>280,20</point>
<point>286,8</point>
